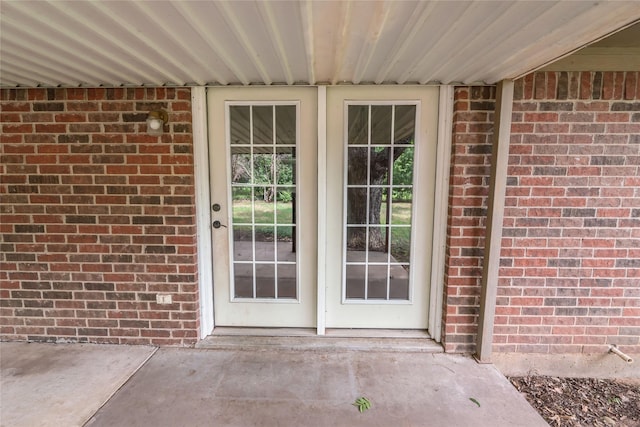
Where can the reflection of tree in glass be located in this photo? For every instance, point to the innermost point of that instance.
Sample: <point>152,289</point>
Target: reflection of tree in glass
<point>265,170</point>
<point>357,200</point>
<point>376,148</point>
<point>240,168</point>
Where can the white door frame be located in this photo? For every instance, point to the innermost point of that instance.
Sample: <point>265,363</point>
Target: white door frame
<point>203,212</point>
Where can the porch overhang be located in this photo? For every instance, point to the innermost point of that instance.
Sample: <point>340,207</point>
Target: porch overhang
<point>139,43</point>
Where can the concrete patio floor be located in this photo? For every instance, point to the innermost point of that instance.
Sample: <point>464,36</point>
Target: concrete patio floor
<point>104,385</point>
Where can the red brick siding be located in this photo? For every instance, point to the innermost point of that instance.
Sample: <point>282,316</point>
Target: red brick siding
<point>97,217</point>
<point>570,275</point>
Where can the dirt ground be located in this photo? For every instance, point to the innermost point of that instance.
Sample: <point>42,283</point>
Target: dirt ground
<point>582,402</point>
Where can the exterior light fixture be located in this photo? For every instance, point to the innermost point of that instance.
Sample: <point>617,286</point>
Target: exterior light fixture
<point>156,121</point>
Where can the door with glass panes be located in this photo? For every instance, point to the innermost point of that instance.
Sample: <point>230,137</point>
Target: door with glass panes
<point>381,151</point>
<point>380,173</point>
<point>264,205</point>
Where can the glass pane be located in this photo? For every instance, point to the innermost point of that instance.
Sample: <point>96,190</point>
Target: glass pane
<point>239,124</point>
<point>356,256</point>
<point>286,124</point>
<point>401,212</point>
<point>400,238</point>
<point>243,280</point>
<point>242,243</point>
<point>265,251</point>
<point>263,125</point>
<point>285,167</point>
<point>265,281</point>
<point>377,282</point>
<point>356,205</point>
<point>381,124</point>
<point>285,234</point>
<point>263,170</point>
<point>286,244</point>
<point>357,166</point>
<point>358,124</point>
<point>356,238</point>
<point>403,165</point>
<point>378,244</point>
<point>263,205</point>
<point>286,204</point>
<point>405,124</point>
<point>240,165</point>
<point>377,205</point>
<point>264,233</point>
<point>380,165</point>
<point>355,281</point>
<point>399,282</point>
<point>241,204</point>
<point>286,150</point>
<point>287,281</point>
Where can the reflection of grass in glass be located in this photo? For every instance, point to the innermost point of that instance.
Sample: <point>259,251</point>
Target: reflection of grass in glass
<point>263,212</point>
<point>401,214</point>
<point>400,236</point>
<point>263,215</point>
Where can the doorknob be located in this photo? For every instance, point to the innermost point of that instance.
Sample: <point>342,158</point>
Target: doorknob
<point>217,224</point>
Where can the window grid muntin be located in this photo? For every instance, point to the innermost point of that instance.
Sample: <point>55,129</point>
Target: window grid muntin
<point>389,226</point>
<point>275,147</point>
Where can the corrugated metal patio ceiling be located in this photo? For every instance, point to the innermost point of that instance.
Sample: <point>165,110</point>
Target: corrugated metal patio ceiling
<point>114,43</point>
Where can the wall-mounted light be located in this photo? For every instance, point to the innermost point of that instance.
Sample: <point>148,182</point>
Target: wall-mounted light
<point>156,121</point>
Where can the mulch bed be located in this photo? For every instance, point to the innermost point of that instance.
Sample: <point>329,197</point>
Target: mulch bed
<point>582,402</point>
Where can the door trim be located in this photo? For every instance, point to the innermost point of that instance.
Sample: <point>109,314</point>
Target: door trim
<point>440,208</point>
<point>203,213</point>
<point>322,210</point>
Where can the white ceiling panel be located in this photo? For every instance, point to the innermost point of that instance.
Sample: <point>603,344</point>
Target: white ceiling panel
<point>181,42</point>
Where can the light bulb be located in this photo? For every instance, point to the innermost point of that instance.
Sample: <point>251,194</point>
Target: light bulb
<point>155,124</point>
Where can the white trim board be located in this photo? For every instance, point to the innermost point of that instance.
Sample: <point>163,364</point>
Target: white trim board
<point>441,206</point>
<point>203,201</point>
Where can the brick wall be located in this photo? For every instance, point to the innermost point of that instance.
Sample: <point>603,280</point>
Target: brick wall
<point>570,261</point>
<point>469,184</point>
<point>97,217</point>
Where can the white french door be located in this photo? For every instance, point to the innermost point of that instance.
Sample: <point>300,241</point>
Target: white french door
<point>378,212</point>
<point>264,205</point>
<point>381,146</point>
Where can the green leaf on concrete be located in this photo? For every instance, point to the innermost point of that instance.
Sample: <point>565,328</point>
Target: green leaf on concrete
<point>474,401</point>
<point>362,403</point>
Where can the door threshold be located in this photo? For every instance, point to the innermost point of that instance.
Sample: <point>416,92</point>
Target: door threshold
<point>263,332</point>
<point>293,339</point>
<point>377,333</point>
<point>330,332</point>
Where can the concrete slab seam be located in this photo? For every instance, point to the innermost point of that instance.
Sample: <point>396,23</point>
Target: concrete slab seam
<point>117,389</point>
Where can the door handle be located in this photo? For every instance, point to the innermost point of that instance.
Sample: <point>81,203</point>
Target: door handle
<point>218,224</point>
